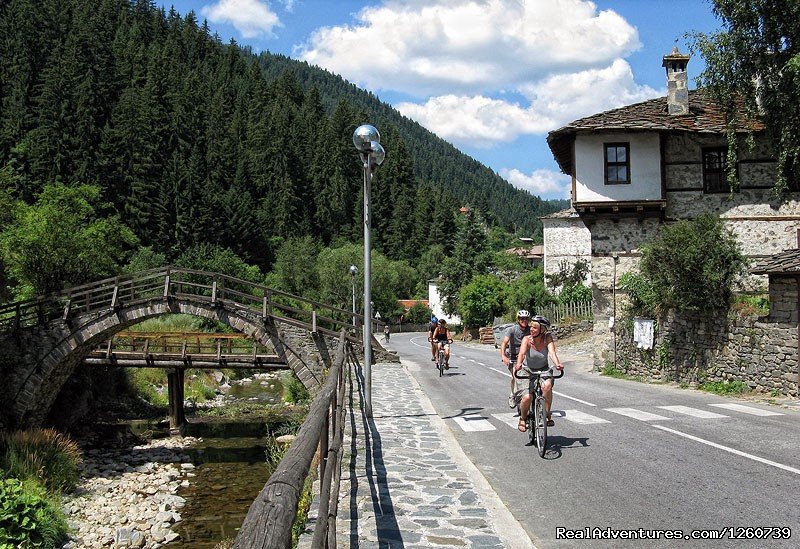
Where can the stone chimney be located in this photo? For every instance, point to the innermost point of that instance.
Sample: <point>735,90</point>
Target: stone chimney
<point>677,82</point>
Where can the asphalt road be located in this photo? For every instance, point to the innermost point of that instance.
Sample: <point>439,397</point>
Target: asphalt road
<point>623,455</point>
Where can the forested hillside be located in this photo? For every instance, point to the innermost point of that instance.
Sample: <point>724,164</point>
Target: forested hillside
<point>126,128</point>
<point>191,141</point>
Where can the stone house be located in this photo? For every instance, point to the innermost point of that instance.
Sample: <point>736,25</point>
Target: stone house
<point>639,166</point>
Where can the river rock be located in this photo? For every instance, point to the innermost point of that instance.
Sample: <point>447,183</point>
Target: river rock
<point>123,500</point>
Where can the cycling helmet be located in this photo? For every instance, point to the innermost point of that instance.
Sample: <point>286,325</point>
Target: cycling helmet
<point>522,313</point>
<point>542,321</point>
<point>433,318</point>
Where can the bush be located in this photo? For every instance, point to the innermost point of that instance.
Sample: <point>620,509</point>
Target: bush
<point>43,454</point>
<point>28,517</point>
<point>419,313</point>
<point>294,390</point>
<point>692,265</point>
<point>575,294</point>
<point>643,298</point>
<point>481,300</point>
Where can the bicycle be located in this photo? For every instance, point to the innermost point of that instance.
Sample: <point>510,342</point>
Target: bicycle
<point>441,362</point>
<point>536,421</point>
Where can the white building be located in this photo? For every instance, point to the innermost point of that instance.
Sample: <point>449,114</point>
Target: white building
<point>435,303</point>
<point>637,167</point>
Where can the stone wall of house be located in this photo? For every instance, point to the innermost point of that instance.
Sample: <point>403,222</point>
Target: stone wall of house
<point>565,239</point>
<point>763,353</point>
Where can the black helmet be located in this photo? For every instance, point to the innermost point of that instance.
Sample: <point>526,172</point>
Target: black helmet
<point>542,321</point>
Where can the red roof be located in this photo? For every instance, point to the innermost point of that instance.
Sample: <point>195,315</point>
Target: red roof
<point>408,303</point>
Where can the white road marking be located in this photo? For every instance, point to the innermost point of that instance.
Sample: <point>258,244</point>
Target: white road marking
<point>573,398</point>
<point>583,418</point>
<point>474,422</point>
<point>637,414</point>
<point>731,450</point>
<point>747,409</point>
<point>509,418</point>
<point>500,371</point>
<point>694,412</point>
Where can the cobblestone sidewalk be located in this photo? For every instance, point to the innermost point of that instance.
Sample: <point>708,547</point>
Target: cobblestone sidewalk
<point>406,482</point>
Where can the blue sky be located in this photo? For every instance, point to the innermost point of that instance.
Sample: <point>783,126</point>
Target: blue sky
<point>492,77</point>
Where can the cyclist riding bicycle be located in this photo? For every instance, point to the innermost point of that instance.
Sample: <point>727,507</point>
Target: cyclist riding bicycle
<point>442,337</point>
<point>537,352</point>
<point>509,347</point>
<point>431,328</point>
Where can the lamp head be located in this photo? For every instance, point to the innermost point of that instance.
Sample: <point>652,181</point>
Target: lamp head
<point>377,154</point>
<point>364,136</point>
<point>353,270</point>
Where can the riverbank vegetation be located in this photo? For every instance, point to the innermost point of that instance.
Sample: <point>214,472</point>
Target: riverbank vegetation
<point>37,466</point>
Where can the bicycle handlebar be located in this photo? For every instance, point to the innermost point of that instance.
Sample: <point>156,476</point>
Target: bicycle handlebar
<point>541,374</point>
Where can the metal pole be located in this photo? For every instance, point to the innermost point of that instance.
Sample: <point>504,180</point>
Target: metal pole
<point>367,289</point>
<point>353,277</point>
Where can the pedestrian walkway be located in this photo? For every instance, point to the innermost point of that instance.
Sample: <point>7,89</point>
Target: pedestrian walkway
<point>405,480</point>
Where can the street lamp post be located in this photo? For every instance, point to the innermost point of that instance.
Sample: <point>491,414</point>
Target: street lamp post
<point>353,271</point>
<point>367,140</point>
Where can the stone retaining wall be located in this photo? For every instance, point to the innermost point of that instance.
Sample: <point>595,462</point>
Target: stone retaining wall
<point>762,353</point>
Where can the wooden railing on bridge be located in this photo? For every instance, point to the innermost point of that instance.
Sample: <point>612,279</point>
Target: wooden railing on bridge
<point>212,288</point>
<point>268,523</point>
<point>184,350</point>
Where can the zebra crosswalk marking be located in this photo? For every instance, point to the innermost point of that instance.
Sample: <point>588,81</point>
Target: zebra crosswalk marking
<point>509,418</point>
<point>474,422</point>
<point>576,416</point>
<point>694,412</point>
<point>637,414</point>
<point>746,409</point>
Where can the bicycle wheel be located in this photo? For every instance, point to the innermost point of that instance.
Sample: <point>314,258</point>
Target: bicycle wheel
<point>440,363</point>
<point>541,425</point>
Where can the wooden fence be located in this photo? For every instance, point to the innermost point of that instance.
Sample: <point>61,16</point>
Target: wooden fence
<point>561,314</point>
<point>268,524</point>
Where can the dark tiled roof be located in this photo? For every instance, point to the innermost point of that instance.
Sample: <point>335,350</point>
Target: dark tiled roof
<point>787,262</point>
<point>704,116</point>
<point>562,214</point>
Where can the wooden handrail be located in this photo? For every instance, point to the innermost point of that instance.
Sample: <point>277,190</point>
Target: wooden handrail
<point>154,283</point>
<point>269,520</point>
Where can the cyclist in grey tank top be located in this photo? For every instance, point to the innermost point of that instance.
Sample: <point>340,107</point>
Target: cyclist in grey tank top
<point>538,352</point>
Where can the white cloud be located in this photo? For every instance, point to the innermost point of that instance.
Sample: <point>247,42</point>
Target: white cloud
<point>565,97</point>
<point>546,183</point>
<point>469,47</point>
<point>480,121</point>
<point>477,121</point>
<point>250,17</point>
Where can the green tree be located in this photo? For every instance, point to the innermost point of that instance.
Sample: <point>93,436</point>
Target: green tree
<point>753,68</point>
<point>62,241</point>
<point>218,259</point>
<point>529,292</point>
<point>693,265</point>
<point>292,265</point>
<point>481,300</point>
<point>471,257</point>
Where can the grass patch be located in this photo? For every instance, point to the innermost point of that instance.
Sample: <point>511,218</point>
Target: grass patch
<point>725,387</point>
<point>42,454</point>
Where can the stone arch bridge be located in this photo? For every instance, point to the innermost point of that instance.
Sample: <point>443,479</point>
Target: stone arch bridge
<point>43,340</point>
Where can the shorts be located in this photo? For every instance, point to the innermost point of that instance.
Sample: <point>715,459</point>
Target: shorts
<point>522,386</point>
<point>445,344</point>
